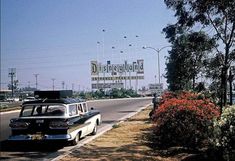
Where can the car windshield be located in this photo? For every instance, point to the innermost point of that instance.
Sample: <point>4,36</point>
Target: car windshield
<point>42,110</point>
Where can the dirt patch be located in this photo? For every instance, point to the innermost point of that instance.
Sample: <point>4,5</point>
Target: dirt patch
<point>126,141</point>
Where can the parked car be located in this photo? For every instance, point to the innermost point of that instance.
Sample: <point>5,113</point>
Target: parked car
<point>54,116</point>
<point>29,99</point>
<point>13,99</point>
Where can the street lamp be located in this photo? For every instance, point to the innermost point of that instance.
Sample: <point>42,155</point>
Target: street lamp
<point>125,70</point>
<point>158,51</point>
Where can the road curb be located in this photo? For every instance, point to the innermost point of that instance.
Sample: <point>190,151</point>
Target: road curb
<point>102,131</point>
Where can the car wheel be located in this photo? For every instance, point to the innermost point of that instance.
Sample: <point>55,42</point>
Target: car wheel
<point>76,139</point>
<point>94,130</point>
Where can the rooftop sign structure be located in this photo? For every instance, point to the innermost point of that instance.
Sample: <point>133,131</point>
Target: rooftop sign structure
<point>137,67</point>
<point>112,75</point>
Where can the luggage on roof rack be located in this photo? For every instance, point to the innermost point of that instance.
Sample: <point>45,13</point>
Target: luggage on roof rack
<point>53,94</point>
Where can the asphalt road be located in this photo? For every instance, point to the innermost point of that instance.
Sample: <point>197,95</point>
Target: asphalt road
<point>111,111</point>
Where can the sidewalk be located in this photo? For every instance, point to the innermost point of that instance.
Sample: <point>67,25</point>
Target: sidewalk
<point>126,141</point>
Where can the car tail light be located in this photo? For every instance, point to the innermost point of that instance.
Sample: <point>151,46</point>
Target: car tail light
<point>58,125</point>
<point>18,124</point>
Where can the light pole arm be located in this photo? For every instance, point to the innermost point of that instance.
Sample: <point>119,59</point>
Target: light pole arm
<point>158,51</point>
<point>164,47</point>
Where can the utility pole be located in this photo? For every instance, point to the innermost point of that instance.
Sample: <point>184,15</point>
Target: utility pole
<point>28,84</point>
<point>63,83</point>
<point>72,86</point>
<point>36,83</point>
<point>12,86</point>
<point>12,74</point>
<point>53,85</point>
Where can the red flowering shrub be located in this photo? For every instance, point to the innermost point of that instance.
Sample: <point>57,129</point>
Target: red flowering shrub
<point>182,119</point>
<point>180,95</point>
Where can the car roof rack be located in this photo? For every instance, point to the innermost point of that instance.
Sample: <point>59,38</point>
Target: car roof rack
<point>60,100</point>
<point>53,94</point>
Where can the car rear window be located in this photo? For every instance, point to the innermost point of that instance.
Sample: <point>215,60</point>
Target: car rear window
<point>43,110</point>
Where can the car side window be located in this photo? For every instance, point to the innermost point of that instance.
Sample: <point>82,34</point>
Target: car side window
<point>26,111</point>
<point>56,110</point>
<point>80,108</point>
<point>39,110</point>
<point>72,110</point>
<point>84,107</point>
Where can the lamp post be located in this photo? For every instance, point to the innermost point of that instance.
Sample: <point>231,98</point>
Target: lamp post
<point>103,58</point>
<point>158,51</point>
<point>125,70</point>
<point>98,60</point>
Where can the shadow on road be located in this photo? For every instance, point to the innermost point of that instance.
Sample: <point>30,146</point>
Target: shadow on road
<point>126,111</point>
<point>27,146</point>
<point>109,121</point>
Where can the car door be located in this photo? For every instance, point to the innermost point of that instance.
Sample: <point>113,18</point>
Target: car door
<point>88,121</point>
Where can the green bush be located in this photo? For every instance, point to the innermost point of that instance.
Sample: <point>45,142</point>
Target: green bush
<point>224,130</point>
<point>3,106</point>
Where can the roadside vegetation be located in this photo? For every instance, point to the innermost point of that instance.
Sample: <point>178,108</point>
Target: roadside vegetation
<point>203,46</point>
<point>201,60</point>
<point>112,93</point>
<point>182,120</point>
<point>8,107</point>
<point>193,122</point>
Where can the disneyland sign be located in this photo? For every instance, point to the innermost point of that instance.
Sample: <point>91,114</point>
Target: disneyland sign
<point>137,67</point>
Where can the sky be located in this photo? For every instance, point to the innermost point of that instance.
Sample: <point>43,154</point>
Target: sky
<point>57,39</point>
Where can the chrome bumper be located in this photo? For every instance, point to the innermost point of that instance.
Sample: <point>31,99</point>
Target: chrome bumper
<point>40,137</point>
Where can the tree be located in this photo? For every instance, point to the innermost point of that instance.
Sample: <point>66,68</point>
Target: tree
<point>28,89</point>
<point>185,60</point>
<point>213,67</point>
<point>177,72</point>
<point>200,87</point>
<point>216,16</point>
<point>14,85</point>
<point>116,93</point>
<point>100,93</point>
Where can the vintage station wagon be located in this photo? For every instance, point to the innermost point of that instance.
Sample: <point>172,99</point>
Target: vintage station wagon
<point>54,116</point>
